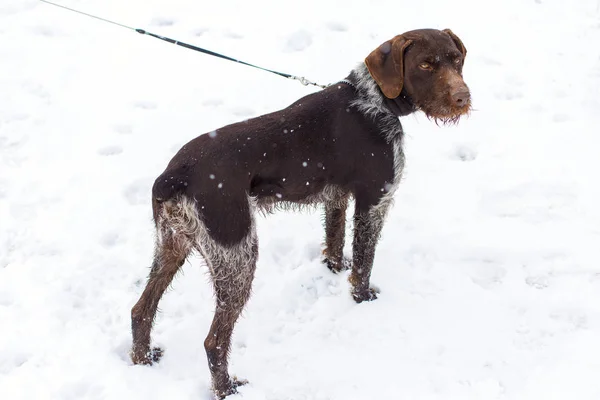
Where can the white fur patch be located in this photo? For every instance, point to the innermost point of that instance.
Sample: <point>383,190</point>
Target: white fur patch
<point>370,102</point>
<point>330,194</point>
<point>380,210</point>
<point>230,266</point>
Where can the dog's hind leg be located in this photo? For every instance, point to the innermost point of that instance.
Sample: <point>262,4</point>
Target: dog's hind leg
<point>232,272</point>
<point>335,226</point>
<point>232,289</point>
<point>176,223</point>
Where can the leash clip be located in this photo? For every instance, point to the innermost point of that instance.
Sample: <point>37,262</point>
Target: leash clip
<point>302,80</point>
<point>306,82</point>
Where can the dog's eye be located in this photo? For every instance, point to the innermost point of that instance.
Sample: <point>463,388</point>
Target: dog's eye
<point>425,66</point>
<point>457,61</point>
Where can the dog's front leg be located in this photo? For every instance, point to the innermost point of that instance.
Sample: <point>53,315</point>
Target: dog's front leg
<point>368,222</point>
<point>335,224</point>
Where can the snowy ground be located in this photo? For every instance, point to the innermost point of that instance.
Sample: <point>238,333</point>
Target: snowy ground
<point>488,265</point>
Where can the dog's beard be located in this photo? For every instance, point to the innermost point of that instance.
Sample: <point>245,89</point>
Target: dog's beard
<point>444,114</point>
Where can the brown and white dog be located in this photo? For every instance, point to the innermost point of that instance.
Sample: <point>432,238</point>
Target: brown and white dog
<point>342,142</point>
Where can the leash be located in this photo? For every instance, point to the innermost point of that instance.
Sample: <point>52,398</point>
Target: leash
<point>301,79</point>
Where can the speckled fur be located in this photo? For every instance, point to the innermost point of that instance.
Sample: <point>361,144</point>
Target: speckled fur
<point>371,102</point>
<point>346,124</point>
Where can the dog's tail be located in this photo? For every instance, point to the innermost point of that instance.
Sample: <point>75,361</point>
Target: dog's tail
<point>171,183</point>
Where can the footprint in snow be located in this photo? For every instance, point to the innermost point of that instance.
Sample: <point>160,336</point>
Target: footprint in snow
<point>509,95</point>
<point>6,299</point>
<point>537,108</point>
<point>537,282</point>
<point>572,318</point>
<point>138,191</point>
<point>212,102</point>
<point>110,150</point>
<point>36,89</point>
<point>162,22</point>
<point>464,153</point>
<point>560,93</point>
<point>514,80</point>
<point>13,360</point>
<point>233,35</point>
<point>46,31</point>
<point>511,89</point>
<point>336,26</point>
<point>16,117</point>
<point>559,117</point>
<point>487,274</point>
<point>145,105</point>
<point>491,61</point>
<point>110,239</point>
<point>199,31</point>
<point>123,129</point>
<point>243,112</point>
<point>298,41</point>
<point>17,7</point>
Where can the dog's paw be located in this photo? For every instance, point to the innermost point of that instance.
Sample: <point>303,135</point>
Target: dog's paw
<point>337,267</point>
<point>369,294</point>
<point>230,389</point>
<point>146,357</point>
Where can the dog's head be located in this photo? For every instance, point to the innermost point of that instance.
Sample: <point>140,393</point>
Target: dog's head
<point>427,64</point>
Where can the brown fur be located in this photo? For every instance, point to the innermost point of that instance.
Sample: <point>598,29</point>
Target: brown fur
<point>386,65</point>
<point>335,229</point>
<point>342,142</point>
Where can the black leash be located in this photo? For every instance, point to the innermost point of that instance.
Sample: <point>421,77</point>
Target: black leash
<point>301,79</point>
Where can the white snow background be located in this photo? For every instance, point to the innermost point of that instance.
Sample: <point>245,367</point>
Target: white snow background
<point>488,265</point>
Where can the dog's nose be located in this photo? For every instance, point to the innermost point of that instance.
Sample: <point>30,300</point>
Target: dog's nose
<point>461,97</point>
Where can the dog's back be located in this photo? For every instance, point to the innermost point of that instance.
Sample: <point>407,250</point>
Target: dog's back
<point>295,155</point>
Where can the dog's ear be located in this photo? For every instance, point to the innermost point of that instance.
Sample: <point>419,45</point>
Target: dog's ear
<point>386,65</point>
<point>457,42</point>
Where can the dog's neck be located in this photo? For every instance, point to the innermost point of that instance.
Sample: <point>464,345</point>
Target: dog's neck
<point>372,99</point>
<point>401,105</point>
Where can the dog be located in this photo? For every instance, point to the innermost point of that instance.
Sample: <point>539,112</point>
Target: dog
<point>340,143</point>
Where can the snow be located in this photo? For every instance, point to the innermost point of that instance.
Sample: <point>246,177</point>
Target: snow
<point>488,264</point>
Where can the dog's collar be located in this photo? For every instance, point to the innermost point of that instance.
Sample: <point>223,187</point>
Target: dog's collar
<point>401,105</point>
<point>347,82</point>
